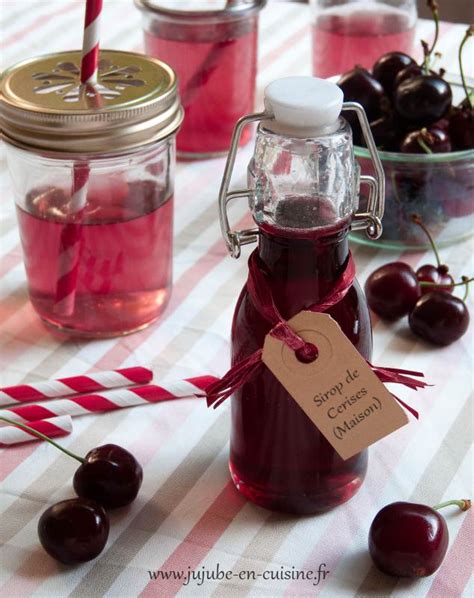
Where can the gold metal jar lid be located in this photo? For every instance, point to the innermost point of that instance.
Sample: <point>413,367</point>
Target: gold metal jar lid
<point>43,105</point>
<point>201,8</point>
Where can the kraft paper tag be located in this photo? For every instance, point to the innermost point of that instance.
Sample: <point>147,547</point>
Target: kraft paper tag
<point>338,391</point>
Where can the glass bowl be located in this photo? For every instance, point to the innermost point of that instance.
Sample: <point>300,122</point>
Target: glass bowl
<point>437,187</point>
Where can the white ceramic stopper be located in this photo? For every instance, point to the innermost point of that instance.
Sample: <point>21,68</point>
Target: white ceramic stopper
<point>302,106</point>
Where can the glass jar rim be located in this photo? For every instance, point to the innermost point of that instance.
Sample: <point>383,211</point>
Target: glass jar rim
<point>234,11</point>
<point>399,157</point>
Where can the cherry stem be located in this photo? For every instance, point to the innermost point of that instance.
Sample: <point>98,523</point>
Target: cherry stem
<point>424,146</point>
<point>465,281</point>
<point>433,6</point>
<point>464,504</point>
<point>417,220</point>
<point>468,34</point>
<point>42,436</point>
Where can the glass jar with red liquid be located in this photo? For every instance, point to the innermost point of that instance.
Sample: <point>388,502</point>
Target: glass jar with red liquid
<point>346,33</point>
<point>92,176</point>
<point>212,46</point>
<point>303,194</point>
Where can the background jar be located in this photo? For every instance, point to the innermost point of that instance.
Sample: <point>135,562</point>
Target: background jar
<point>212,46</point>
<point>92,175</point>
<point>350,32</point>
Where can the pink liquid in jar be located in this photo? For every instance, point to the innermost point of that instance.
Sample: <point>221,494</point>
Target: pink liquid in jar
<point>278,458</point>
<point>125,256</point>
<point>216,66</point>
<point>351,35</point>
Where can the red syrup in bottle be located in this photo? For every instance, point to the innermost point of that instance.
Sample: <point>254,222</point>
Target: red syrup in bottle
<point>278,458</point>
<point>216,65</point>
<point>125,254</point>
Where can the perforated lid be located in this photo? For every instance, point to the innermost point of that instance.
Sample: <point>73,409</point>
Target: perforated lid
<point>302,106</point>
<point>43,105</point>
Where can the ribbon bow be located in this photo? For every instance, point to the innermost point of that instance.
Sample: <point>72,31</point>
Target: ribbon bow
<point>261,295</point>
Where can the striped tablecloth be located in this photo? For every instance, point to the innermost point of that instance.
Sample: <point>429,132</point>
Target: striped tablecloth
<point>188,515</point>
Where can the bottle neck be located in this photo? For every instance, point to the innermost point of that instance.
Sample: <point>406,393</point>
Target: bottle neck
<point>302,265</point>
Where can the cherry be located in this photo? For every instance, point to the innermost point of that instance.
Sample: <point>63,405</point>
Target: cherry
<point>387,68</point>
<point>409,72</point>
<point>385,133</point>
<point>461,128</point>
<point>439,318</point>
<point>392,290</point>
<point>429,140</point>
<point>423,100</point>
<point>410,540</point>
<point>461,123</point>
<point>74,531</point>
<point>358,85</point>
<point>438,274</point>
<point>109,475</point>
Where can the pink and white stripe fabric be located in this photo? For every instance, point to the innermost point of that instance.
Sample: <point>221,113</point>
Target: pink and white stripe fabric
<point>90,44</point>
<point>188,513</point>
<point>52,428</point>
<point>121,398</point>
<point>51,389</point>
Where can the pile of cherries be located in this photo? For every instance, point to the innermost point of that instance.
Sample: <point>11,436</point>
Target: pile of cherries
<point>409,105</point>
<point>76,530</point>
<point>434,314</point>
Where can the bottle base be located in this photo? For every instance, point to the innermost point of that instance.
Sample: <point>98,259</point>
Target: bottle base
<point>299,503</point>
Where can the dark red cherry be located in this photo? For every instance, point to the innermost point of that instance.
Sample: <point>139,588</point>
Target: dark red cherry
<point>358,85</point>
<point>435,274</point>
<point>409,72</point>
<point>109,475</point>
<point>439,318</point>
<point>387,68</point>
<point>385,133</point>
<point>408,540</point>
<point>74,531</point>
<point>438,274</point>
<point>426,140</point>
<point>392,290</point>
<point>442,124</point>
<point>461,128</point>
<point>423,100</point>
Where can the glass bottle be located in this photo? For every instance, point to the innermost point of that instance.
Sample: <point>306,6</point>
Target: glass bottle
<point>303,194</point>
<point>350,32</point>
<point>212,46</point>
<point>92,176</point>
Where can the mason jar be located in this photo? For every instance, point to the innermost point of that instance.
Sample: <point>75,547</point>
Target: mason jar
<point>92,177</point>
<point>212,46</point>
<point>346,33</point>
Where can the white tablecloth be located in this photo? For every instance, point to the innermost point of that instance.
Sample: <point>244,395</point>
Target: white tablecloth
<point>188,515</point>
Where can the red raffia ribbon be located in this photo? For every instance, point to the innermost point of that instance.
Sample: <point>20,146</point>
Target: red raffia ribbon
<point>261,295</point>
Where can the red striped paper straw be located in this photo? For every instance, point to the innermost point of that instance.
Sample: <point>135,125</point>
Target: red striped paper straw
<point>70,244</point>
<point>90,43</point>
<point>64,387</point>
<point>71,235</point>
<point>109,400</point>
<point>52,428</point>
